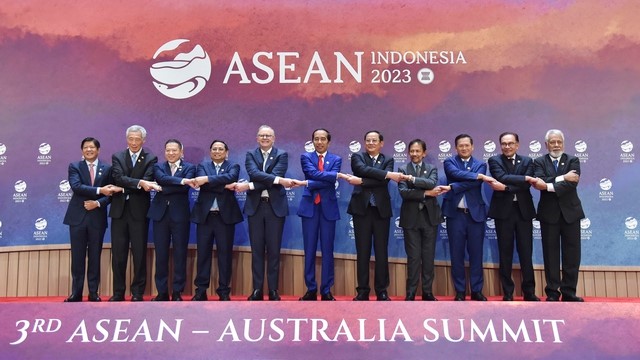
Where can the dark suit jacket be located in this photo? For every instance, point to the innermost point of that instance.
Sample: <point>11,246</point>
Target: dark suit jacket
<point>464,183</point>
<point>126,175</point>
<point>320,182</point>
<point>277,165</point>
<point>373,182</point>
<point>501,201</point>
<point>80,182</point>
<point>564,201</point>
<point>214,189</point>
<point>174,198</point>
<point>413,194</point>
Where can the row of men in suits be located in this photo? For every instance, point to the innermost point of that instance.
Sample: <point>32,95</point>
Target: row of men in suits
<point>216,212</point>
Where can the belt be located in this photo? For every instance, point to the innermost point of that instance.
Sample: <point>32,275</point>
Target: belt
<point>463,210</point>
<point>214,212</point>
<point>264,199</point>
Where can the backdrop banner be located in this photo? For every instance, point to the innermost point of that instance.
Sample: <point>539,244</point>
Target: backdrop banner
<point>206,70</point>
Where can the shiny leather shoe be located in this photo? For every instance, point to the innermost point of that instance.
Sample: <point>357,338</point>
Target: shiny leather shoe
<point>459,296</point>
<point>531,297</point>
<point>137,298</point>
<point>362,296</point>
<point>553,297</point>
<point>507,297</point>
<point>200,296</point>
<point>176,296</point>
<point>428,297</point>
<point>116,297</point>
<point>383,296</point>
<point>411,296</point>
<point>477,296</point>
<point>273,295</point>
<point>572,298</point>
<point>159,297</point>
<point>73,298</point>
<point>93,297</point>
<point>256,295</point>
<point>224,297</point>
<point>309,296</point>
<point>328,297</point>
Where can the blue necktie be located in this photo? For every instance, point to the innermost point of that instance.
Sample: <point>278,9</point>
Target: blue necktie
<point>133,159</point>
<point>555,164</point>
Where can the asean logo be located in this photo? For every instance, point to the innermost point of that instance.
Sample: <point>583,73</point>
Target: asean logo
<point>185,75</point>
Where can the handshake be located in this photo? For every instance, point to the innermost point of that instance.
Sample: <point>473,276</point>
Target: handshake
<point>110,190</point>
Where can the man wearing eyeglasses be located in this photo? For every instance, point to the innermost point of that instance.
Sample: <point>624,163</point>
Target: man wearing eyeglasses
<point>513,211</point>
<point>267,208</point>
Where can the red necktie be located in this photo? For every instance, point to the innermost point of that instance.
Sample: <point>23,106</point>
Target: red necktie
<point>321,168</point>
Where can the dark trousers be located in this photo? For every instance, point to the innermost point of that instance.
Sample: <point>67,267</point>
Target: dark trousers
<point>561,240</point>
<point>265,236</point>
<point>165,233</point>
<point>420,246</point>
<point>86,244</point>
<point>318,229</point>
<point>517,228</point>
<point>372,229</point>
<point>466,234</point>
<point>127,232</point>
<point>214,229</point>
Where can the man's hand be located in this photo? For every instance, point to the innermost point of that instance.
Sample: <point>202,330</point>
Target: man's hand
<point>150,185</point>
<point>91,204</point>
<point>498,186</point>
<point>438,190</point>
<point>396,176</point>
<point>486,178</point>
<point>539,184</point>
<point>572,176</point>
<point>354,180</point>
<point>242,187</point>
<point>344,176</point>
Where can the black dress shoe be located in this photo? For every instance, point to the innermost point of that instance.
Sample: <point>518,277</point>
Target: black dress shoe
<point>73,298</point>
<point>553,297</point>
<point>428,297</point>
<point>200,296</point>
<point>328,297</point>
<point>362,296</point>
<point>176,296</point>
<point>411,296</point>
<point>572,298</point>
<point>160,297</point>
<point>507,297</point>
<point>136,298</point>
<point>93,297</point>
<point>309,296</point>
<point>256,295</point>
<point>459,296</point>
<point>477,296</point>
<point>116,297</point>
<point>273,295</point>
<point>383,296</point>
<point>531,297</point>
<point>224,297</point>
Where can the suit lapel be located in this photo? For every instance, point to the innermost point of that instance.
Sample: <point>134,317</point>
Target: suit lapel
<point>84,172</point>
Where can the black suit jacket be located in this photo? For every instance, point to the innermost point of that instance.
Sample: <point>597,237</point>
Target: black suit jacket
<point>277,165</point>
<point>127,176</point>
<point>373,182</point>
<point>413,194</point>
<point>501,201</point>
<point>80,182</point>
<point>564,201</point>
<point>214,189</point>
<point>174,198</point>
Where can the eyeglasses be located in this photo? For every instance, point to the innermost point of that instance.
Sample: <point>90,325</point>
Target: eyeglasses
<point>265,136</point>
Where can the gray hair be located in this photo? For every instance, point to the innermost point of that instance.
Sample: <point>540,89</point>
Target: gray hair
<point>262,127</point>
<point>553,132</point>
<point>136,128</point>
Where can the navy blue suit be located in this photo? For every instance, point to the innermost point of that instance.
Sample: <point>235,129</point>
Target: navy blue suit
<point>513,212</point>
<point>216,223</point>
<point>319,220</point>
<point>86,228</point>
<point>465,226</point>
<point>266,216</point>
<point>170,214</point>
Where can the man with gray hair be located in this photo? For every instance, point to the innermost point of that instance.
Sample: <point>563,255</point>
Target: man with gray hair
<point>559,211</point>
<point>132,170</point>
